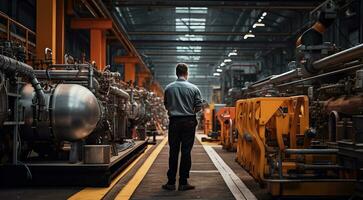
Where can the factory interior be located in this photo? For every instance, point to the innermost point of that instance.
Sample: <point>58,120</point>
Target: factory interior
<point>84,113</point>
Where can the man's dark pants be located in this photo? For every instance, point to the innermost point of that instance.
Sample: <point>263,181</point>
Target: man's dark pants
<point>181,138</point>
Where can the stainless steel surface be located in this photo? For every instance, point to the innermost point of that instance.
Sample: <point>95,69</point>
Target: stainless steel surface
<point>3,101</point>
<point>339,58</point>
<point>350,68</point>
<point>29,131</point>
<point>311,151</point>
<point>63,74</point>
<point>96,154</point>
<point>11,65</point>
<point>76,112</point>
<point>287,76</point>
<point>359,79</point>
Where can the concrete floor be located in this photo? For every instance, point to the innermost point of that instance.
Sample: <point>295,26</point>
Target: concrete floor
<point>208,185</point>
<point>204,175</point>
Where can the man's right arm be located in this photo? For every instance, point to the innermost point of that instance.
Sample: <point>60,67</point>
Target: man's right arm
<point>166,99</point>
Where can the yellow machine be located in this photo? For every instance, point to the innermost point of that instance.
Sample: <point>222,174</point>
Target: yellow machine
<point>273,147</point>
<point>226,118</point>
<point>208,119</point>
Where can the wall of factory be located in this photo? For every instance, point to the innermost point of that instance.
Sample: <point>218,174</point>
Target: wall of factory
<point>22,11</point>
<point>345,32</point>
<point>76,41</point>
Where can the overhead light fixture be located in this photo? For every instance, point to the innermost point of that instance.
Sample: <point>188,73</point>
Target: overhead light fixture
<point>216,74</point>
<point>222,64</point>
<point>259,20</point>
<point>219,70</point>
<point>250,31</point>
<point>227,60</point>
<point>264,14</point>
<point>262,17</point>
<point>249,35</point>
<point>258,25</point>
<point>232,54</point>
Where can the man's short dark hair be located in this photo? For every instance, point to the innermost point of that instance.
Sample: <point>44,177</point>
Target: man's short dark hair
<point>181,69</point>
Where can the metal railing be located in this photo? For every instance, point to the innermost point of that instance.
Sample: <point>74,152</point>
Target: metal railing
<point>12,30</point>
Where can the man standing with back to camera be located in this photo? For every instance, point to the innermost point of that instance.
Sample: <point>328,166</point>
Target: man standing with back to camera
<point>183,100</point>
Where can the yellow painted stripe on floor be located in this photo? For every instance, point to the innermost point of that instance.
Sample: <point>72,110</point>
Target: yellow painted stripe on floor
<point>131,186</point>
<point>95,193</point>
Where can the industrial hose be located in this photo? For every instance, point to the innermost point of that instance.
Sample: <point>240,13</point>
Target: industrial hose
<point>11,65</point>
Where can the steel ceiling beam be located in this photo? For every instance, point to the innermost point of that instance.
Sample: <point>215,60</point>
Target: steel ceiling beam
<point>153,56</point>
<point>248,44</point>
<point>243,48</point>
<point>188,62</point>
<point>270,5</point>
<point>204,49</point>
<point>143,25</point>
<point>148,33</point>
<point>151,52</point>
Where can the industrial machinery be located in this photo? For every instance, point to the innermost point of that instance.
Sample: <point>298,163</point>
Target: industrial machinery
<point>208,119</point>
<point>70,124</point>
<point>228,135</point>
<point>211,123</point>
<point>300,132</point>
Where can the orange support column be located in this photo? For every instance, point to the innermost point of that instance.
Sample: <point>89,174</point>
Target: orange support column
<point>129,63</point>
<point>141,79</point>
<point>60,32</point>
<point>96,47</point>
<point>103,49</point>
<point>46,27</point>
<point>130,72</point>
<point>97,28</point>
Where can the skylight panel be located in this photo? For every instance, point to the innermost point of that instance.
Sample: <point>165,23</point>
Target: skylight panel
<point>189,49</point>
<point>195,10</point>
<point>188,58</point>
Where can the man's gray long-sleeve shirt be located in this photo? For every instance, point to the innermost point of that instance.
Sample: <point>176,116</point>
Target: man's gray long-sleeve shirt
<point>182,98</point>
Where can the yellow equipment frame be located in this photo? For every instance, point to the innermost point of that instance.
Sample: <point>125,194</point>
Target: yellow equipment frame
<point>282,120</point>
<point>226,118</point>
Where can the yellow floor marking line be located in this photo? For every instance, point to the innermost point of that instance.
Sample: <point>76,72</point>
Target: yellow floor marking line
<point>93,193</point>
<point>131,186</point>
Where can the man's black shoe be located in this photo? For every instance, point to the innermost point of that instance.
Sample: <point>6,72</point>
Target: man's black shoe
<point>186,187</point>
<point>168,187</point>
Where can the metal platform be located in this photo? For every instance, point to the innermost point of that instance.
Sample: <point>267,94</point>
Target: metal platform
<point>66,174</point>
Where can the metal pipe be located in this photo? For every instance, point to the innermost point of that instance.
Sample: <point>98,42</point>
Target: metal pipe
<point>90,78</point>
<point>230,121</point>
<point>316,166</point>
<point>69,65</point>
<point>11,65</point>
<point>204,33</point>
<point>119,92</point>
<point>295,73</point>
<point>339,58</point>
<point>63,74</point>
<point>261,82</point>
<point>311,151</point>
<point>322,75</point>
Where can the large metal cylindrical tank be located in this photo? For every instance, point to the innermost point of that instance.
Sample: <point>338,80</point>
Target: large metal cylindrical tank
<point>72,113</point>
<point>75,112</point>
